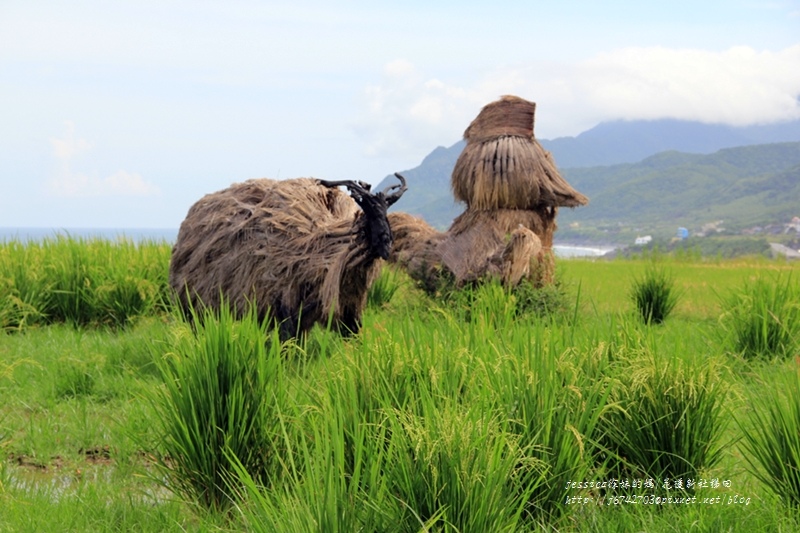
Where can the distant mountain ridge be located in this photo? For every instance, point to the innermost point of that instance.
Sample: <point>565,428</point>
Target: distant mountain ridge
<point>611,143</point>
<point>744,187</point>
<point>604,146</point>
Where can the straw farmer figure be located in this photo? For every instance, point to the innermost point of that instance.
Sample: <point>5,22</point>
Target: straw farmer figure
<point>512,190</point>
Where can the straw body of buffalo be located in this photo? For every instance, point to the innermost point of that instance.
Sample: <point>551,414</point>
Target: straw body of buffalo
<point>301,250</point>
<point>479,245</point>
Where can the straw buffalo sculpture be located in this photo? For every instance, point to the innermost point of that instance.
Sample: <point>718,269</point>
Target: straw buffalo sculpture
<point>300,250</point>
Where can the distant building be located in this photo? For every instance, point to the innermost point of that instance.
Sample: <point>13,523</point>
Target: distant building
<point>711,227</point>
<point>683,233</point>
<point>643,240</point>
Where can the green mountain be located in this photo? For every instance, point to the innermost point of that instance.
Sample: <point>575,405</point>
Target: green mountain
<point>744,187</point>
<point>601,161</point>
<point>428,195</point>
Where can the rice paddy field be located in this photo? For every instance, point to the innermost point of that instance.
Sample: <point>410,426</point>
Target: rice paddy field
<point>652,394</point>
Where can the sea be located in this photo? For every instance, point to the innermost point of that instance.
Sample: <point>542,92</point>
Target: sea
<point>566,251</point>
<point>171,234</point>
<point>134,234</point>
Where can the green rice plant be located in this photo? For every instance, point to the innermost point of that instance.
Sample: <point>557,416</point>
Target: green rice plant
<point>491,304</point>
<point>771,442</point>
<point>88,503</point>
<point>654,294</point>
<point>669,417</point>
<point>68,267</point>
<point>457,470</point>
<point>487,304</point>
<point>529,392</point>
<point>404,447</point>
<point>384,288</point>
<point>339,448</point>
<point>150,261</point>
<point>81,281</point>
<point>400,364</point>
<point>24,294</point>
<point>333,475</point>
<point>555,410</point>
<point>223,391</point>
<point>763,317</point>
<point>135,281</point>
<point>553,299</point>
<point>133,352</point>
<point>73,378</point>
<point>126,297</point>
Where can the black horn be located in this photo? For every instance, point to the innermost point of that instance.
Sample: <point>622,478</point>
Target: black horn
<point>394,192</point>
<point>350,184</point>
<point>358,189</point>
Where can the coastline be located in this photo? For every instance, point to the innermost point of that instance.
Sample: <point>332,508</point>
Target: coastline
<point>566,250</point>
<point>170,235</point>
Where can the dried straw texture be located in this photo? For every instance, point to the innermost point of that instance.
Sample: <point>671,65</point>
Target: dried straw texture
<point>512,189</point>
<point>504,167</point>
<point>522,254</point>
<point>511,115</point>
<point>296,248</point>
<point>415,249</point>
<point>511,173</point>
<point>477,237</point>
<point>501,244</point>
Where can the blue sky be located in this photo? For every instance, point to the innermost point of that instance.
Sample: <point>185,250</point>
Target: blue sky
<point>122,114</point>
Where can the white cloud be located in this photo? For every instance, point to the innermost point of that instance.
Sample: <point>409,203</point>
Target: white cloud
<point>69,147</point>
<point>408,113</point>
<point>739,86</point>
<point>399,68</point>
<point>67,182</point>
<point>121,183</point>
